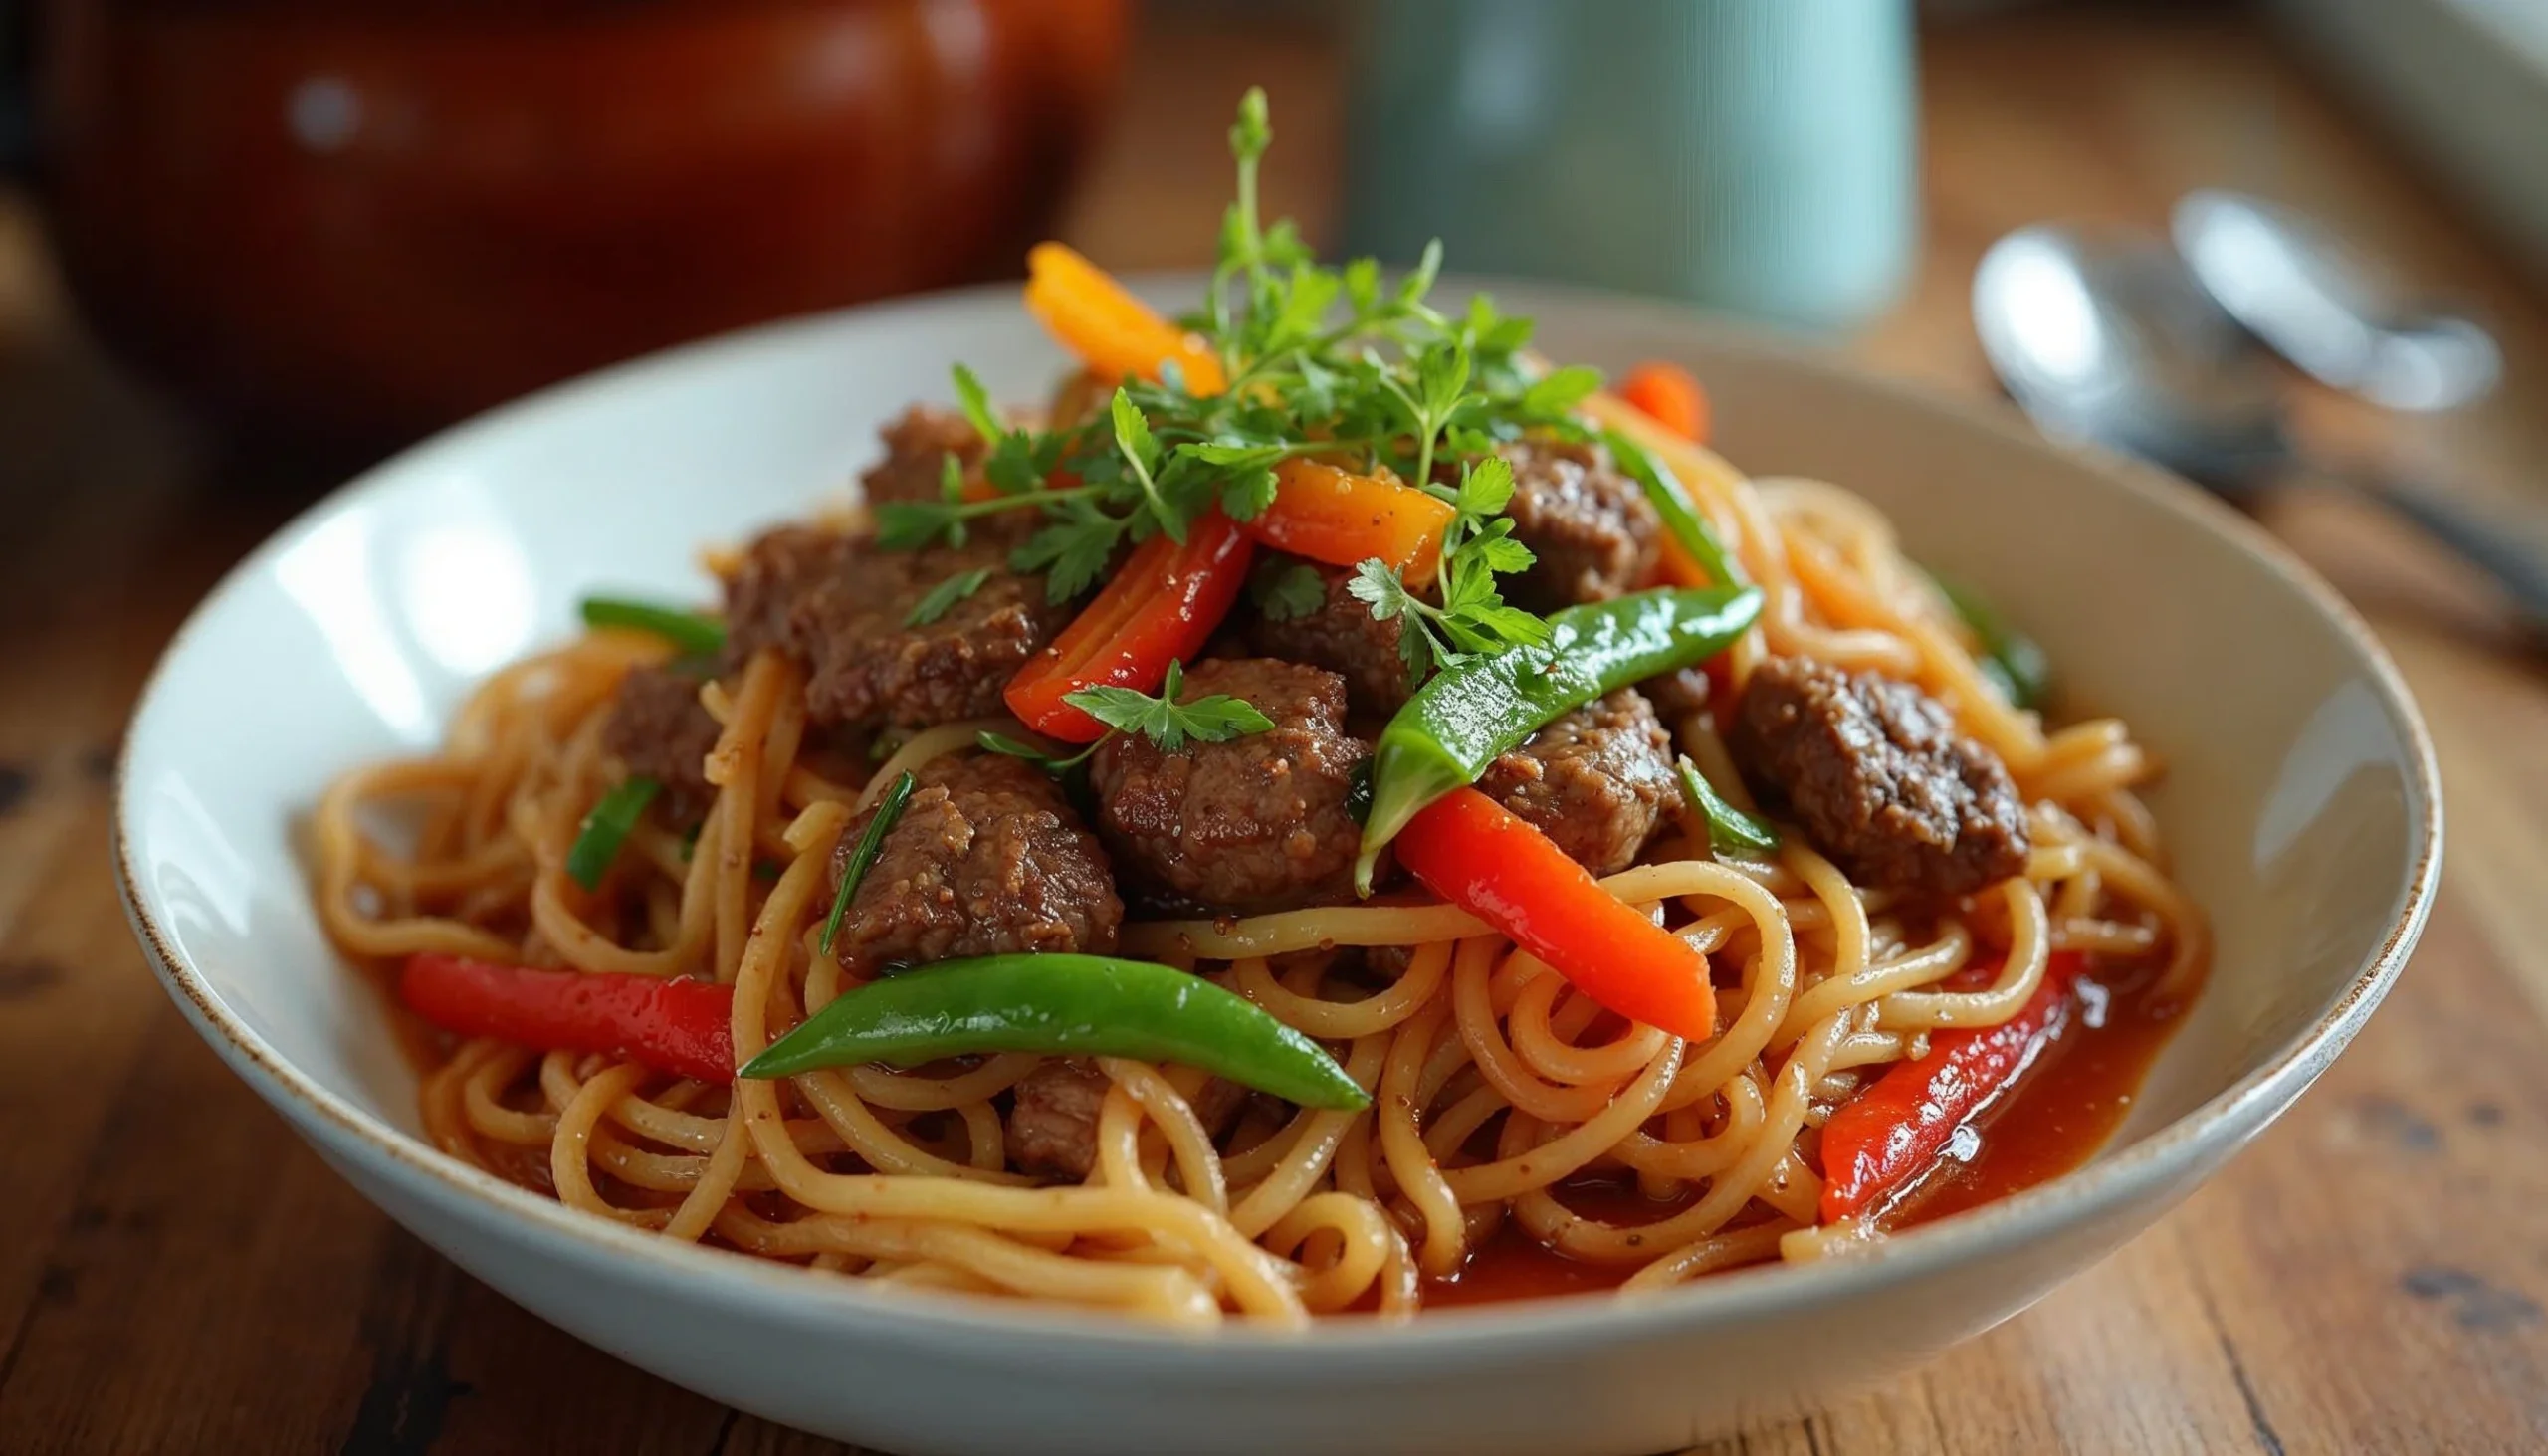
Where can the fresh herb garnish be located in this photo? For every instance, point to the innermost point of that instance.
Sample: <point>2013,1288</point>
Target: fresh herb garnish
<point>1727,826</point>
<point>1164,721</point>
<point>944,595</point>
<point>1477,546</point>
<point>889,812</point>
<point>1288,594</point>
<point>1337,364</point>
<point>688,630</point>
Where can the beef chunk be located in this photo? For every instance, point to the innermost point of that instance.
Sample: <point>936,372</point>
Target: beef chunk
<point>917,444</point>
<point>659,729</point>
<point>1341,636</point>
<point>1677,696</point>
<point>1257,823</point>
<point>1882,780</point>
<point>1052,1127</point>
<point>1597,780</point>
<point>1586,521</point>
<point>841,608</point>
<point>987,860</point>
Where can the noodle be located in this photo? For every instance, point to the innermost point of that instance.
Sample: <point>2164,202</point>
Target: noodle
<point>1499,1088</point>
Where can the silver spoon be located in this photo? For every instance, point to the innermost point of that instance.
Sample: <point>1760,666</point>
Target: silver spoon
<point>2330,308</point>
<point>2111,340</point>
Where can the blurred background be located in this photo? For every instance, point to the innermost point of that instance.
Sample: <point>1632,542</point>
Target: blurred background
<point>247,246</point>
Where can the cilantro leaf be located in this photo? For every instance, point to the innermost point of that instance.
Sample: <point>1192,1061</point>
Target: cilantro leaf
<point>1141,452</point>
<point>1073,554</point>
<point>943,597</point>
<point>1560,391</point>
<point>1378,582</point>
<point>1487,488</point>
<point>978,406</point>
<point>1166,722</point>
<point>1246,494</point>
<point>1288,594</point>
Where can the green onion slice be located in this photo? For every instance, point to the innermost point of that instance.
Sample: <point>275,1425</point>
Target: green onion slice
<point>606,828</point>
<point>888,810</point>
<point>686,630</point>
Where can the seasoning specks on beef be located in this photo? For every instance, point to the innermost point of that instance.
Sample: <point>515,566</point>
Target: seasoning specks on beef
<point>1340,635</point>
<point>1595,780</point>
<point>1253,824</point>
<point>988,859</point>
<point>1590,527</point>
<point>660,730</point>
<point>1880,778</point>
<point>841,608</point>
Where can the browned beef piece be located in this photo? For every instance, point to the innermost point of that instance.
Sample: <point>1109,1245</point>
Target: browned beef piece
<point>1342,637</point>
<point>1878,775</point>
<point>1257,823</point>
<point>916,443</point>
<point>659,729</point>
<point>1587,522</point>
<point>841,608</point>
<point>1677,696</point>
<point>1595,780</point>
<point>987,860</point>
<point>1052,1127</point>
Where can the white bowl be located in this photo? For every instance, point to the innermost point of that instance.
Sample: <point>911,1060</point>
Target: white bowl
<point>2302,806</point>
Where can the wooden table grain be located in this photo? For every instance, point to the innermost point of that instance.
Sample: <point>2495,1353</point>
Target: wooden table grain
<point>178,1274</point>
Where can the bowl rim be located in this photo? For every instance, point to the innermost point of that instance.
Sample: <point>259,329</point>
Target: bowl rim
<point>938,1320</point>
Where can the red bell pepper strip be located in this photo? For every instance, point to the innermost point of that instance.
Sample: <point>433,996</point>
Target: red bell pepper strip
<point>1344,519</point>
<point>1877,1141</point>
<point>1159,609</point>
<point>1478,855</point>
<point>685,1027</point>
<point>1671,395</point>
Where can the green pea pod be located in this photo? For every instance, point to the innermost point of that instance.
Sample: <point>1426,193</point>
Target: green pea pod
<point>1063,1005</point>
<point>1456,723</point>
<point>1680,516</point>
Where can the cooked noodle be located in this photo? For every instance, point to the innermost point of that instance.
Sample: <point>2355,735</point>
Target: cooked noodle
<point>1497,1084</point>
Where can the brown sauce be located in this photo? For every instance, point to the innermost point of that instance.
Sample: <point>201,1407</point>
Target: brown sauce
<point>2054,1121</point>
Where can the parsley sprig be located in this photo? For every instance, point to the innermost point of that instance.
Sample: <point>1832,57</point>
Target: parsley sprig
<point>1472,618</point>
<point>1335,363</point>
<point>1215,718</point>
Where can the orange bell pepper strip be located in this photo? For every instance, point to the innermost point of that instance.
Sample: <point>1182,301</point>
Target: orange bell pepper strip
<point>1880,1140</point>
<point>1480,856</point>
<point>1159,609</point>
<point>1670,394</point>
<point>1342,518</point>
<point>1113,332</point>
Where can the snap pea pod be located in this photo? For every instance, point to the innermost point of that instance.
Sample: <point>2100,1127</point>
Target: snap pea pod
<point>1682,519</point>
<point>1456,723</point>
<point>1063,1005</point>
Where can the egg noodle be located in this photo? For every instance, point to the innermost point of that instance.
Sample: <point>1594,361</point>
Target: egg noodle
<point>1495,1084</point>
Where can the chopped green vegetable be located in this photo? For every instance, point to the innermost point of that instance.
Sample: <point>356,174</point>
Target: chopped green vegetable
<point>1457,724</point>
<point>2010,657</point>
<point>1690,530</point>
<point>1166,722</point>
<point>944,595</point>
<point>1727,826</point>
<point>1063,1005</point>
<point>688,630</point>
<point>889,811</point>
<point>1288,594</point>
<point>605,829</point>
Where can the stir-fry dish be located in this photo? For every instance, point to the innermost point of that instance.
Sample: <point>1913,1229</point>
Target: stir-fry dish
<point>1333,813</point>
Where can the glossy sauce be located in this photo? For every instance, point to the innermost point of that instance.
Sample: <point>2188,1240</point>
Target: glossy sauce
<point>2054,1119</point>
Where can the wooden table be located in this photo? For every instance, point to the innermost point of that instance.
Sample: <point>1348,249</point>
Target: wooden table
<point>178,1274</point>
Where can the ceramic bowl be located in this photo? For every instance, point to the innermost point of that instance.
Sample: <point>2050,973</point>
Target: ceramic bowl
<point>2301,803</point>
